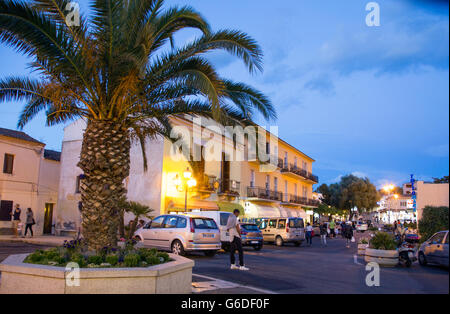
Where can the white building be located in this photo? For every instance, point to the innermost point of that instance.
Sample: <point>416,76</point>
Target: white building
<point>29,177</point>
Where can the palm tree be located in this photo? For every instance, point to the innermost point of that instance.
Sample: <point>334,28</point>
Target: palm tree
<point>121,72</point>
<point>138,210</point>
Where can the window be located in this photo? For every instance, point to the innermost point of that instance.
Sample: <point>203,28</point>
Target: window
<point>285,159</point>
<point>272,223</point>
<point>263,224</point>
<point>77,185</point>
<point>267,148</point>
<point>295,162</point>
<point>250,227</point>
<point>8,164</point>
<point>182,222</point>
<point>438,238</point>
<point>296,223</point>
<point>267,182</point>
<point>286,190</point>
<point>204,223</point>
<point>224,218</point>
<point>295,189</point>
<point>275,184</point>
<point>170,222</point>
<point>252,178</point>
<point>157,222</point>
<point>282,224</point>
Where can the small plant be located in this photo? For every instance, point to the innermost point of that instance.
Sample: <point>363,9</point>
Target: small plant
<point>132,260</point>
<point>112,259</point>
<point>363,241</point>
<point>95,259</point>
<point>164,256</point>
<point>153,260</point>
<point>79,259</point>
<point>383,241</point>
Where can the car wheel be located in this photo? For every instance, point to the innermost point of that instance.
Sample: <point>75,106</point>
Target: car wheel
<point>422,259</point>
<point>177,248</point>
<point>211,253</point>
<point>279,241</point>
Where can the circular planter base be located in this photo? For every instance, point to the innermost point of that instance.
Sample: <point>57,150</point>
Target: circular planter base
<point>384,258</point>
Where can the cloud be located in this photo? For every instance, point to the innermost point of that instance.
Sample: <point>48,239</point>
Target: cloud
<point>322,84</point>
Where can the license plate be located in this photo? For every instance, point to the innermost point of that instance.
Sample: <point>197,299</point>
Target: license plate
<point>254,242</point>
<point>208,235</point>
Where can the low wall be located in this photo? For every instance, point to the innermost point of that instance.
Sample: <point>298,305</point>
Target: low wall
<point>386,258</point>
<point>174,277</point>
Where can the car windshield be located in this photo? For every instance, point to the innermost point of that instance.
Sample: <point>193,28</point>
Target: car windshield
<point>250,227</point>
<point>204,223</point>
<point>296,223</point>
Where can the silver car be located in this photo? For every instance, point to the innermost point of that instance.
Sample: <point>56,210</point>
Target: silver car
<point>180,234</point>
<point>435,250</point>
<point>283,230</point>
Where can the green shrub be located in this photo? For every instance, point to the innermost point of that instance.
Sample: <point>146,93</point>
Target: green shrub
<point>112,259</point>
<point>383,241</point>
<point>164,256</point>
<point>132,260</point>
<point>36,257</point>
<point>363,241</point>
<point>95,259</point>
<point>153,260</point>
<point>434,219</point>
<point>79,259</point>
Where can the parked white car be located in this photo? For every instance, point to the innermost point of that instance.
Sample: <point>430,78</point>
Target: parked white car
<point>221,219</point>
<point>361,226</point>
<point>180,234</point>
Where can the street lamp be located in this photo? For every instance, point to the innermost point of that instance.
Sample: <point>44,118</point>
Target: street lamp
<point>188,181</point>
<point>389,189</point>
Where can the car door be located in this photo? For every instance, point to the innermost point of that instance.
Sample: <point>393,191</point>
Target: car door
<point>442,252</point>
<point>167,232</point>
<point>271,230</point>
<point>434,247</point>
<point>152,234</point>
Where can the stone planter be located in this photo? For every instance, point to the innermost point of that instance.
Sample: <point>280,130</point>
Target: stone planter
<point>362,249</point>
<point>386,258</point>
<point>173,277</point>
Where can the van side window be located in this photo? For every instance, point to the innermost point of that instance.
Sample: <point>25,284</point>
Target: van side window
<point>263,224</point>
<point>281,224</point>
<point>273,223</point>
<point>182,222</point>
<point>224,218</point>
<point>170,222</point>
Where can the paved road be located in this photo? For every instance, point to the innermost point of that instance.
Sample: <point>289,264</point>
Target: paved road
<point>303,270</point>
<point>320,270</point>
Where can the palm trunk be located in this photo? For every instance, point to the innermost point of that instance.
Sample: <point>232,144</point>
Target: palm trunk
<point>105,160</point>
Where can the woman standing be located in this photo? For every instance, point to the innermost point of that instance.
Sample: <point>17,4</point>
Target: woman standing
<point>29,222</point>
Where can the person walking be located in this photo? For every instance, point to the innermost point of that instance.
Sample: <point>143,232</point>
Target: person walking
<point>16,220</point>
<point>236,243</point>
<point>308,235</point>
<point>348,234</point>
<point>323,234</point>
<point>332,229</point>
<point>29,222</point>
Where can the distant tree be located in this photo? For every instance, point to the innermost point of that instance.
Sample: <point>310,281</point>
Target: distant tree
<point>444,179</point>
<point>357,192</point>
<point>433,219</point>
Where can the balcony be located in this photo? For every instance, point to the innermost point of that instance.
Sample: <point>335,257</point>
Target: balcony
<point>228,187</point>
<point>298,200</point>
<point>264,194</point>
<point>206,184</point>
<point>290,169</point>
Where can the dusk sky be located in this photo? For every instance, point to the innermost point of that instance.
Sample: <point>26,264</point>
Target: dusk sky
<point>373,101</point>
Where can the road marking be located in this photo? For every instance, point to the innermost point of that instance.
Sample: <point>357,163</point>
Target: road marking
<point>215,284</point>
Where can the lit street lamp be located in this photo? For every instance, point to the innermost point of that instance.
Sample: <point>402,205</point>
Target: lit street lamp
<point>188,181</point>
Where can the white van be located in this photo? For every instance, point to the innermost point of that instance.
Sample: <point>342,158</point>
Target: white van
<point>221,219</point>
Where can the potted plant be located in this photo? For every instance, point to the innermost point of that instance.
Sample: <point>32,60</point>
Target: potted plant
<point>382,250</point>
<point>362,246</point>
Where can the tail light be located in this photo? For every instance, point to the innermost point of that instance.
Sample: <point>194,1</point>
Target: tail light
<point>192,225</point>
<point>243,232</point>
<point>287,229</point>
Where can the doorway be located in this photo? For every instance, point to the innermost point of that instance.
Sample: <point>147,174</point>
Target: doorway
<point>48,218</point>
<point>5,210</point>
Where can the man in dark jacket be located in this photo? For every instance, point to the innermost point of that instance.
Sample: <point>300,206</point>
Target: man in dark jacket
<point>347,234</point>
<point>323,234</point>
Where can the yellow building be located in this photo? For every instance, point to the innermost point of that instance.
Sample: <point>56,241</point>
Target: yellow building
<point>226,176</point>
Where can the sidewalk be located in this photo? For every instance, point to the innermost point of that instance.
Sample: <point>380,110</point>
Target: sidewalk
<point>42,240</point>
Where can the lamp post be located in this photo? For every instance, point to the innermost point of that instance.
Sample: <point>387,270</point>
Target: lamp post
<point>187,183</point>
<point>389,189</point>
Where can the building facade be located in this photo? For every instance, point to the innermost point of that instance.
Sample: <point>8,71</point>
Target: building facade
<point>223,181</point>
<point>29,177</point>
<point>430,194</point>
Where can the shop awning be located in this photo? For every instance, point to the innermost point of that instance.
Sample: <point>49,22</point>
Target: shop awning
<point>253,210</point>
<point>230,207</point>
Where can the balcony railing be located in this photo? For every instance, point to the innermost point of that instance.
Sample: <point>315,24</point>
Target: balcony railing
<point>298,171</point>
<point>263,193</point>
<point>299,200</point>
<point>228,186</point>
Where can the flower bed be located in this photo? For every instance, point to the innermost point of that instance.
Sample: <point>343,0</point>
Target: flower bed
<point>76,251</point>
<point>382,250</point>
